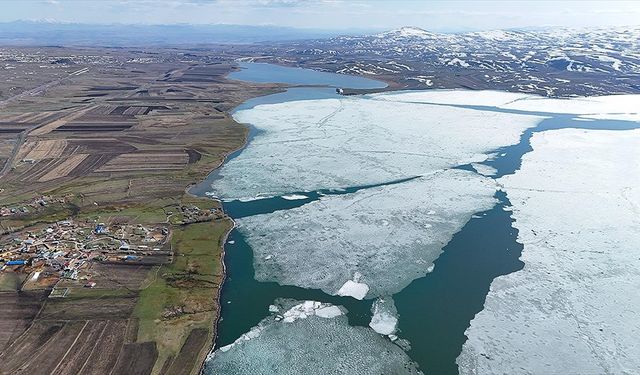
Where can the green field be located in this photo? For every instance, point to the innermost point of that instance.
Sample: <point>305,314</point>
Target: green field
<point>181,296</point>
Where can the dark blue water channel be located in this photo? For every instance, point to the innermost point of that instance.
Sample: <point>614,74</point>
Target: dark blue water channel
<point>434,311</point>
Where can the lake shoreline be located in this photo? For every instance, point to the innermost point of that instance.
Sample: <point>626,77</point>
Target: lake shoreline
<point>199,190</point>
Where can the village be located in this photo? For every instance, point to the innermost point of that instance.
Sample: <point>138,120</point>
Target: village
<point>64,254</point>
<point>65,250</point>
<point>35,205</point>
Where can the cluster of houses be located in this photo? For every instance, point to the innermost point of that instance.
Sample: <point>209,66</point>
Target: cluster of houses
<point>36,204</point>
<point>194,214</point>
<point>65,250</point>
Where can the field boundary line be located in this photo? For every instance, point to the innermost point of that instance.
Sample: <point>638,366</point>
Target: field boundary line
<point>93,349</point>
<point>70,347</point>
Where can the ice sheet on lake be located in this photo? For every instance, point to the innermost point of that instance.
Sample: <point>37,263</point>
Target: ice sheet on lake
<point>319,340</point>
<point>334,143</point>
<point>383,237</point>
<point>385,316</point>
<point>455,97</point>
<point>608,106</point>
<point>622,107</point>
<point>574,307</point>
<point>387,234</point>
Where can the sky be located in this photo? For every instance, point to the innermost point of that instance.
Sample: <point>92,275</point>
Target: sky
<point>444,16</point>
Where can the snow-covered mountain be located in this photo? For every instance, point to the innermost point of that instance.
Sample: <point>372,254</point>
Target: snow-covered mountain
<point>552,62</point>
<point>407,32</point>
<point>599,50</point>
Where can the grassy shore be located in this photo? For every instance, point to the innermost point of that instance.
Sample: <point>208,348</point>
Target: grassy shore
<point>182,296</point>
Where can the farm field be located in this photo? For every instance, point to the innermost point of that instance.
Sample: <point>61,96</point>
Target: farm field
<point>104,137</point>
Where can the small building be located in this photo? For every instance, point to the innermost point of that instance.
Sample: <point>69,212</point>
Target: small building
<point>17,262</point>
<point>70,274</point>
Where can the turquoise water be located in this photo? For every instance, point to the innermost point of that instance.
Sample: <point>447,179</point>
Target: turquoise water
<point>269,73</point>
<point>434,310</point>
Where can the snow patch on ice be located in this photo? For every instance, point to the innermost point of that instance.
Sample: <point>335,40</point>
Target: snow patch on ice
<point>353,289</point>
<point>302,311</point>
<point>294,197</point>
<point>329,312</point>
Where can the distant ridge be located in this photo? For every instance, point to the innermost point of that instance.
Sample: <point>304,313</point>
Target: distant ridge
<point>408,32</point>
<point>51,32</point>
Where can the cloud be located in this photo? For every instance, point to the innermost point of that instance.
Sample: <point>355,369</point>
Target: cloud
<point>433,15</point>
<point>266,3</point>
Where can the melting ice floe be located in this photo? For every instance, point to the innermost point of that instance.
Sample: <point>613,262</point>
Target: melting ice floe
<point>385,316</point>
<point>309,337</point>
<point>370,243</point>
<point>354,288</point>
<point>387,233</point>
<point>294,197</point>
<point>574,307</point>
<point>293,312</point>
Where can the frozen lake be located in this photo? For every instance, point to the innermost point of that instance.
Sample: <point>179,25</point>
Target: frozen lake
<point>391,197</point>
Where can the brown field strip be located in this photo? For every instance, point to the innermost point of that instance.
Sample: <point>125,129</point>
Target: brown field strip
<point>107,347</point>
<point>16,313</point>
<point>101,110</point>
<point>59,122</point>
<point>187,358</point>
<point>66,348</point>
<point>38,169</point>
<point>91,163</point>
<point>76,356</point>
<point>24,347</point>
<point>146,161</point>
<point>100,146</point>
<point>64,168</point>
<point>136,358</point>
<point>51,148</point>
<point>43,361</point>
